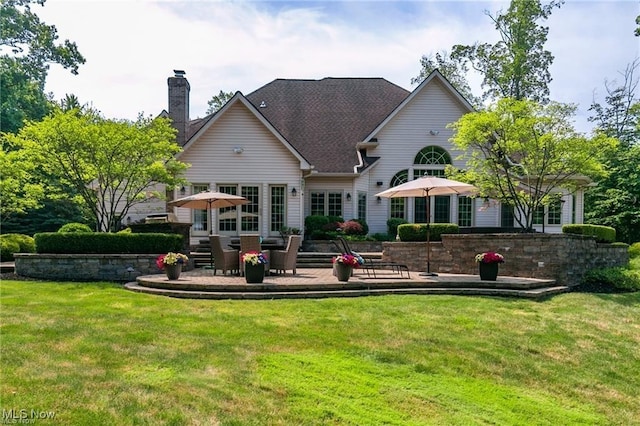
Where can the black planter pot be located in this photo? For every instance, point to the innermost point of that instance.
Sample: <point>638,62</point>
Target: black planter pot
<point>173,271</point>
<point>254,274</point>
<point>488,271</point>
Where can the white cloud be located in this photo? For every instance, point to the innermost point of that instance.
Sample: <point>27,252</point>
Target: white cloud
<point>132,47</point>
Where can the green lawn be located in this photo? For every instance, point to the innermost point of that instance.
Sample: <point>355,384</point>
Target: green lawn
<point>95,354</point>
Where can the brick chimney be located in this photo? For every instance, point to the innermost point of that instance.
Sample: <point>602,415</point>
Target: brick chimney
<point>179,104</point>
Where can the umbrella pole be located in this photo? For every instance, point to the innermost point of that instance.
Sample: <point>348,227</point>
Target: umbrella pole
<point>428,273</point>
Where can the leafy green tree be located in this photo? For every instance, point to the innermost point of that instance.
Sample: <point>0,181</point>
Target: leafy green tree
<point>28,47</point>
<point>18,190</point>
<point>454,71</point>
<point>111,165</point>
<point>615,201</point>
<point>517,66</point>
<point>218,101</point>
<point>524,154</point>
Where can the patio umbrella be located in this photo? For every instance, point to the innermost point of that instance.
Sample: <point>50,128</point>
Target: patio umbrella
<point>426,187</point>
<point>208,200</point>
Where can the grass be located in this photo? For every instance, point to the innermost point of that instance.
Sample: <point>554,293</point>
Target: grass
<point>94,353</point>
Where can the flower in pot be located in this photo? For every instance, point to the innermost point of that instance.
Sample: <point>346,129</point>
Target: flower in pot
<point>172,264</point>
<point>488,265</point>
<point>344,264</point>
<point>254,262</point>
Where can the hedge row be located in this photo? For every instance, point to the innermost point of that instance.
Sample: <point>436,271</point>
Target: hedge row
<point>104,243</point>
<point>418,231</point>
<point>603,234</point>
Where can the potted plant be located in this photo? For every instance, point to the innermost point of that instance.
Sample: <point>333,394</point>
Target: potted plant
<point>254,262</point>
<point>344,264</point>
<point>172,264</point>
<point>488,265</point>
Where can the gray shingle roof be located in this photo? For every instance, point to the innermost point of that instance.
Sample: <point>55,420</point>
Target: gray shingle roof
<point>325,119</point>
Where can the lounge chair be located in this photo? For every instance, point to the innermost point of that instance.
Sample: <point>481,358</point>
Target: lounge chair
<point>371,265</point>
<point>281,260</point>
<point>223,259</point>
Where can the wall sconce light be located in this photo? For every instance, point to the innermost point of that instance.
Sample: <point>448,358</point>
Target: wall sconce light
<point>183,190</point>
<point>379,183</point>
<point>238,149</point>
<point>348,196</point>
<point>294,193</point>
<point>434,132</point>
<point>379,200</point>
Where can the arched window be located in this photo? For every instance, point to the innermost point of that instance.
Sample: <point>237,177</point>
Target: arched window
<point>432,155</point>
<point>398,205</point>
<point>431,161</point>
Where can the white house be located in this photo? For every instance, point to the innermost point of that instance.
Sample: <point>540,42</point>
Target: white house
<point>300,147</point>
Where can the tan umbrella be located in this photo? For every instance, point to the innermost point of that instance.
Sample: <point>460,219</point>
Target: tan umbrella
<point>428,186</point>
<point>208,200</point>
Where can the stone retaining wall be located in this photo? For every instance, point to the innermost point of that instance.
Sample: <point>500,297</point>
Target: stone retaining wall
<point>563,257</point>
<point>87,267</point>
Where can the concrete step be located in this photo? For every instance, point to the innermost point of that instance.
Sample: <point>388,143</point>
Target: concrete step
<point>257,294</point>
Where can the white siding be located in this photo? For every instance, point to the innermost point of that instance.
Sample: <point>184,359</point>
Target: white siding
<point>264,161</point>
<point>404,136</point>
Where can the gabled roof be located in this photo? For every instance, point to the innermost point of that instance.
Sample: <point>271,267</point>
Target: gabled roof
<point>325,119</point>
<point>200,126</point>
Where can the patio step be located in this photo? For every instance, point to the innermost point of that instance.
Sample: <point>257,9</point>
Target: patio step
<point>320,283</point>
<point>538,293</point>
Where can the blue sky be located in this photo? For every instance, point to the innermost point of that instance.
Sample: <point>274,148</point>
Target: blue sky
<point>132,47</point>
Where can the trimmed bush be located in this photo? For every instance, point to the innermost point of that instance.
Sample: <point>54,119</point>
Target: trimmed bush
<point>104,243</point>
<point>634,250</point>
<point>603,234</point>
<point>610,280</point>
<point>392,226</point>
<point>315,223</point>
<point>24,243</point>
<point>75,227</point>
<point>7,249</point>
<point>418,231</point>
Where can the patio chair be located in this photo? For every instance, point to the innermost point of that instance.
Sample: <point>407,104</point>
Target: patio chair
<point>281,260</point>
<point>223,259</point>
<point>251,242</point>
<point>370,265</point>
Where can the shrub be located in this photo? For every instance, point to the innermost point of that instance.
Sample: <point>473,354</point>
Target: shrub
<point>16,243</point>
<point>314,223</point>
<point>363,223</point>
<point>607,280</point>
<point>7,249</point>
<point>104,243</point>
<point>352,227</point>
<point>392,227</point>
<point>634,250</point>
<point>75,227</point>
<point>603,234</point>
<point>418,231</point>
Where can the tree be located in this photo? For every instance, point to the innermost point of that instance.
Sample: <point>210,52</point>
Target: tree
<point>637,31</point>
<point>218,101</point>
<point>28,47</point>
<point>18,190</point>
<point>615,201</point>
<point>620,115</point>
<point>525,154</point>
<point>454,71</point>
<point>111,165</point>
<point>517,66</point>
